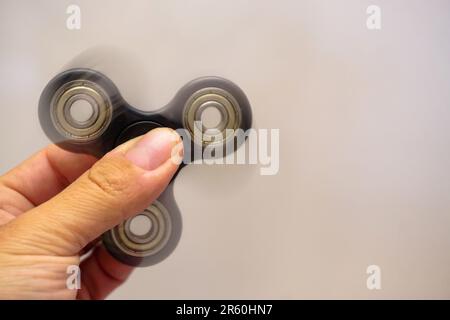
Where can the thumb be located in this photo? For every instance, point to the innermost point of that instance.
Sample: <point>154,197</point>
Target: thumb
<point>121,184</point>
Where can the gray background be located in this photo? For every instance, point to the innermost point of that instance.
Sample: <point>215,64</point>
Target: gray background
<point>363,117</point>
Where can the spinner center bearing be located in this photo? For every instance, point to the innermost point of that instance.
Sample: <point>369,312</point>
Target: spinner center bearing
<point>62,113</point>
<point>111,121</point>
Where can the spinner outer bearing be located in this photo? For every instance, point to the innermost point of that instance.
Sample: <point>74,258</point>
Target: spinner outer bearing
<point>151,242</point>
<point>72,129</point>
<point>157,243</point>
<point>224,102</point>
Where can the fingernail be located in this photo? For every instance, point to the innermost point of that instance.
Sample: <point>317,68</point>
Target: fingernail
<point>177,153</point>
<point>153,149</point>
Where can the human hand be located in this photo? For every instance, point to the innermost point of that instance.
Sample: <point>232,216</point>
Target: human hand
<point>55,204</point>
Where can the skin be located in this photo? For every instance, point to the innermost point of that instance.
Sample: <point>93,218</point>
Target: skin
<point>56,204</point>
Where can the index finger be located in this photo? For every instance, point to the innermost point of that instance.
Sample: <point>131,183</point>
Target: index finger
<point>42,176</point>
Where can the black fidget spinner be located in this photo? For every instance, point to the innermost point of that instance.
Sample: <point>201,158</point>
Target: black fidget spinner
<point>112,121</point>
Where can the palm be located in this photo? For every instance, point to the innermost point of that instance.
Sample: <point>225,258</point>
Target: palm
<point>33,183</point>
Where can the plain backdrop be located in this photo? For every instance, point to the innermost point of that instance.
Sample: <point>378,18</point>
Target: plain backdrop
<point>364,136</point>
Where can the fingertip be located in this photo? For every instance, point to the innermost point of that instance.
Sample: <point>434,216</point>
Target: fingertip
<point>153,149</point>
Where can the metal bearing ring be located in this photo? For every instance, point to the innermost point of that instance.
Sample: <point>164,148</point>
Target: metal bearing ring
<point>217,98</point>
<point>150,243</point>
<point>67,125</point>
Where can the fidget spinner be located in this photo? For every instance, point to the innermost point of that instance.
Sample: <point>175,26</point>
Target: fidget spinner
<point>111,121</point>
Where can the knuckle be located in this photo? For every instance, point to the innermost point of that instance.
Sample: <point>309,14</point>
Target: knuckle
<point>113,176</point>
